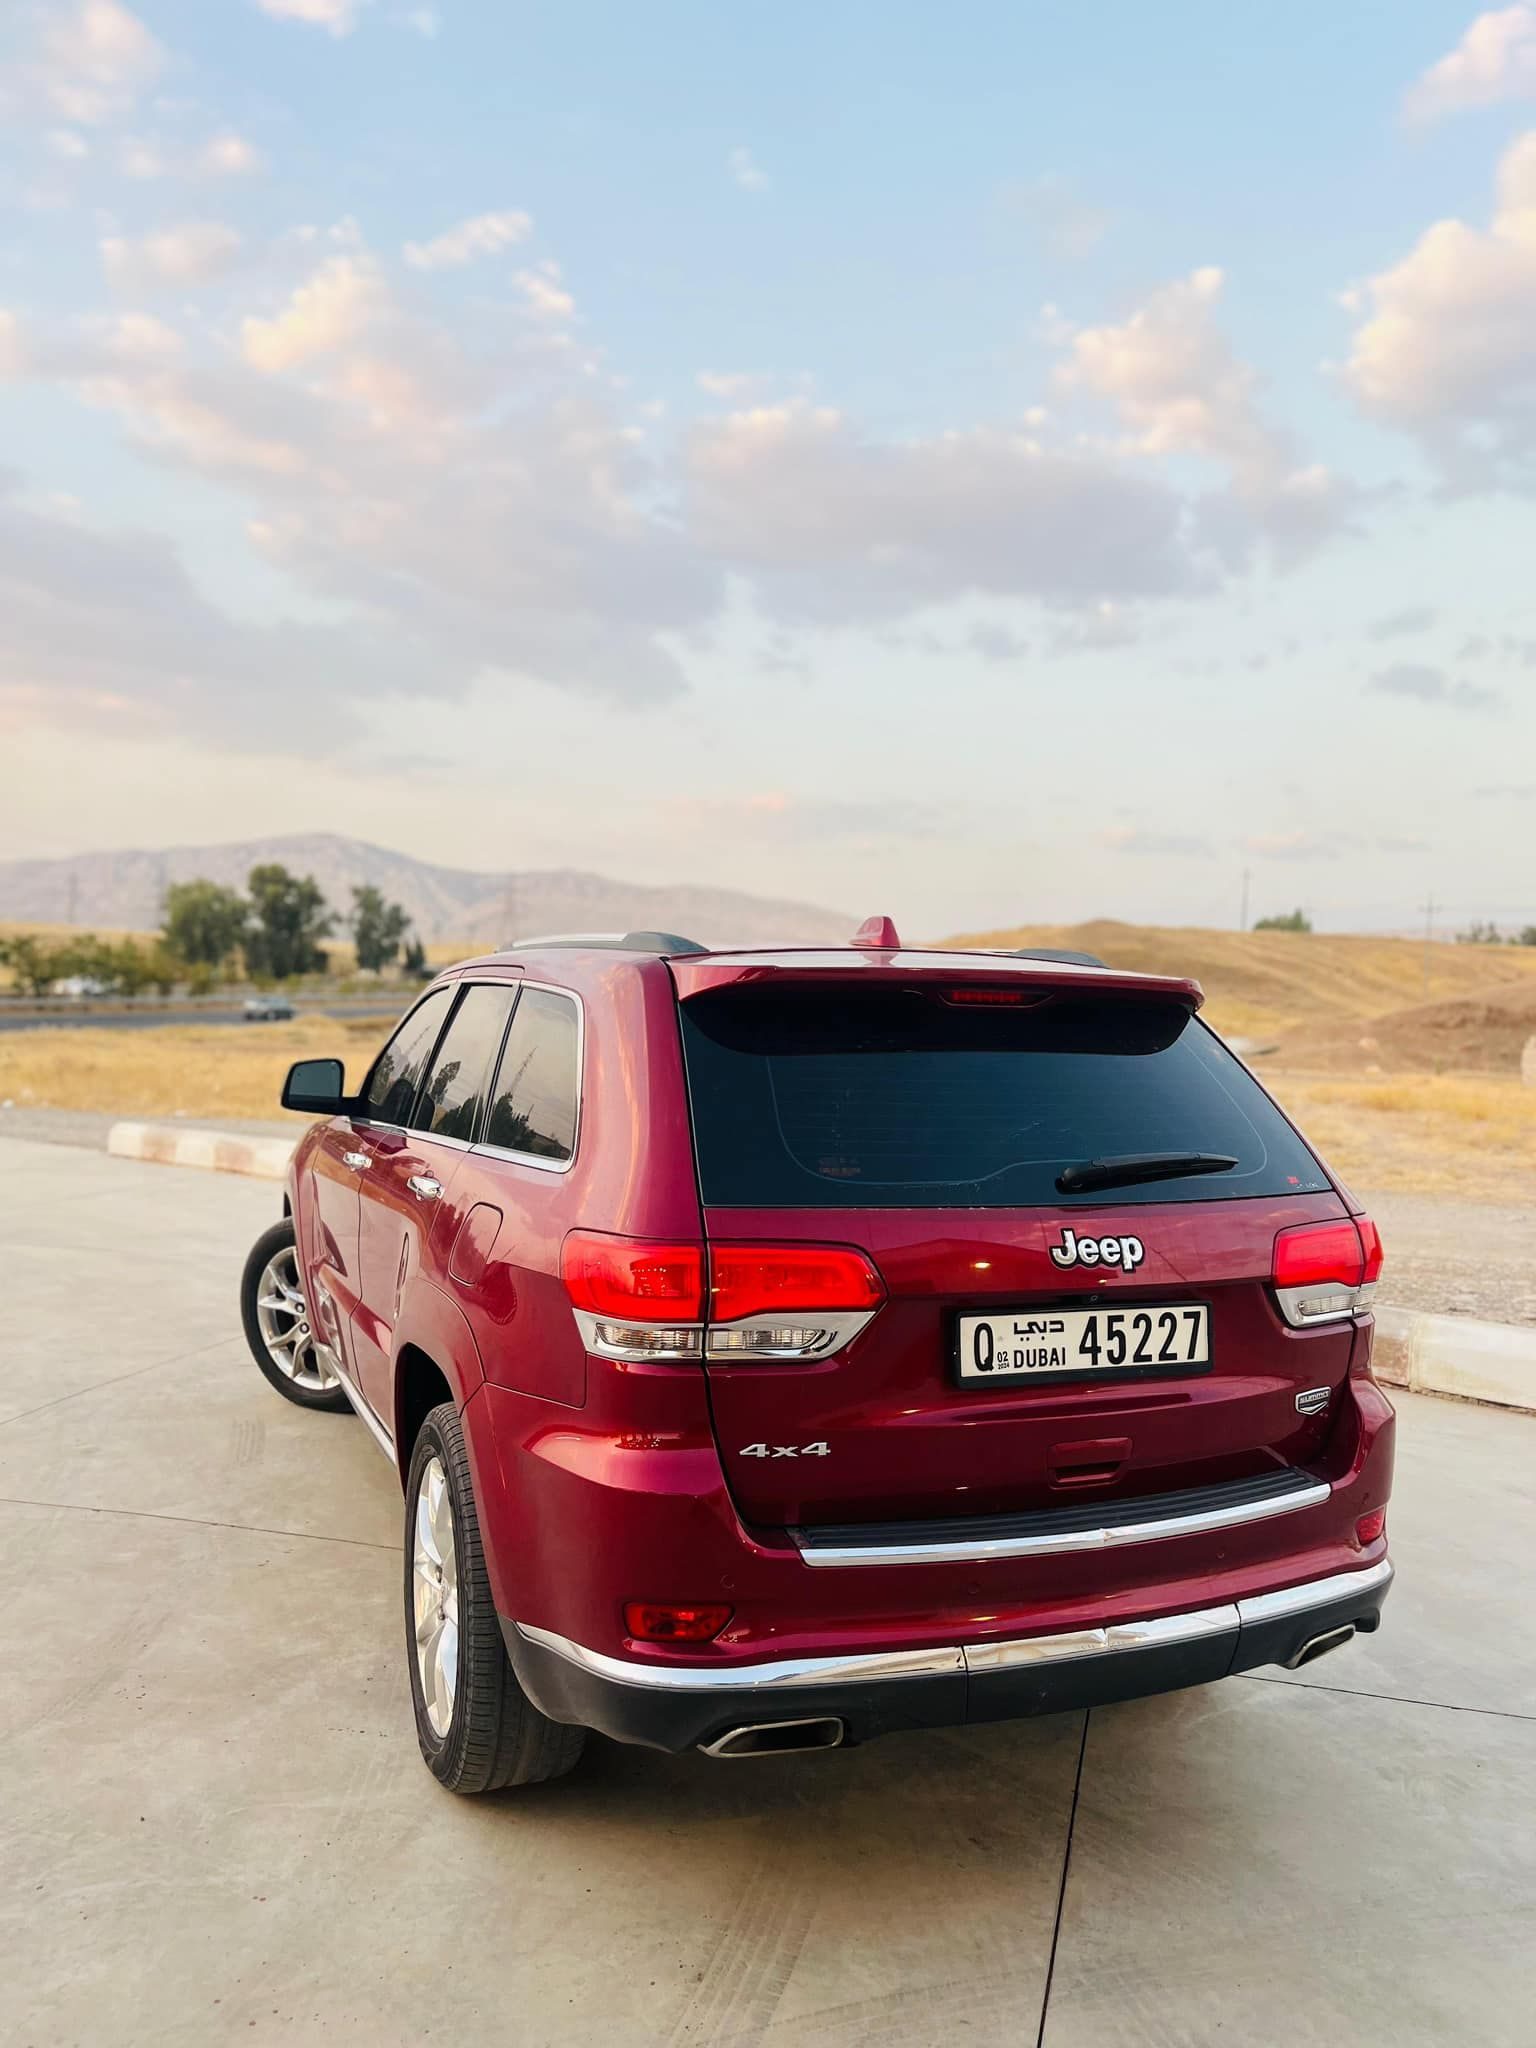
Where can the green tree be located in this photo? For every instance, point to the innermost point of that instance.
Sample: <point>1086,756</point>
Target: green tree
<point>290,920</point>
<point>1479,934</point>
<point>35,964</point>
<point>415,961</point>
<point>1528,936</point>
<point>377,927</point>
<point>1289,921</point>
<point>203,922</point>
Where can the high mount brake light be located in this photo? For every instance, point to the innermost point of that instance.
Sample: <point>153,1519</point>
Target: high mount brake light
<point>639,1301</point>
<point>1325,1272</point>
<point>992,998</point>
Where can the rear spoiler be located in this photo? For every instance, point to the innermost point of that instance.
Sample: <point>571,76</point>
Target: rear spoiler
<point>833,970</point>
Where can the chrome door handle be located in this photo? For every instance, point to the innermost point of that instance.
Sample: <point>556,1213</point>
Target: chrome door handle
<point>424,1184</point>
<point>357,1159</point>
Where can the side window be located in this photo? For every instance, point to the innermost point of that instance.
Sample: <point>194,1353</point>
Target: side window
<point>533,1104</point>
<point>391,1086</point>
<point>449,1105</point>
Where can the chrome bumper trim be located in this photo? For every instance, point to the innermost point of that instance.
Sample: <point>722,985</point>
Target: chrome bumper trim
<point>1314,1593</point>
<point>1112,1536</point>
<point>792,1672</point>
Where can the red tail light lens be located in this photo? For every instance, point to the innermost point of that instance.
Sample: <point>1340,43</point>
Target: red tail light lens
<point>1372,1527</point>
<point>658,1621</point>
<point>631,1280</point>
<point>791,1279</point>
<point>1325,1271</point>
<point>1319,1251</point>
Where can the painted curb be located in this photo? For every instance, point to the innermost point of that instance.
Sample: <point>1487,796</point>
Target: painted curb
<point>215,1151</point>
<point>1460,1355</point>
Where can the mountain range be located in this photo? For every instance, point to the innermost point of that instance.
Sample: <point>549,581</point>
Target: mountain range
<point>123,891</point>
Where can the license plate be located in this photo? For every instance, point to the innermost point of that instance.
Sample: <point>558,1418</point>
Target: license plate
<point>1084,1344</point>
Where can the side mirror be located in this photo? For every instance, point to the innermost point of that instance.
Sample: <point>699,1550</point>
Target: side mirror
<point>316,1088</point>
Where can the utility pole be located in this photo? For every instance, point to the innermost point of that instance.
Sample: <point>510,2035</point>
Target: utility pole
<point>1429,936</point>
<point>1242,921</point>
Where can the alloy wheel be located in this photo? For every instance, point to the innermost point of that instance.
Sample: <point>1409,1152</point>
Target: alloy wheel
<point>282,1315</point>
<point>435,1595</point>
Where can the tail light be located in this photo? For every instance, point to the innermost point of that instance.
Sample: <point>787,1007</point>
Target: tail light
<point>633,1298</point>
<point>659,1621</point>
<point>1325,1272</point>
<point>1371,1528</point>
<point>638,1300</point>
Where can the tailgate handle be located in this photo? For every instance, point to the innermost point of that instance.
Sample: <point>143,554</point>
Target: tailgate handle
<point>1090,1463</point>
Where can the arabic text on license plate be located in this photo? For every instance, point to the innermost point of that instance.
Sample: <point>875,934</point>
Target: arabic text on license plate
<point>1084,1343</point>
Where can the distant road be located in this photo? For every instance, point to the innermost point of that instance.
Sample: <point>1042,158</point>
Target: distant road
<point>84,1019</point>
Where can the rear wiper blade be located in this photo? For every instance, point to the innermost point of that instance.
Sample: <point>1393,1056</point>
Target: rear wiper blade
<point>1130,1167</point>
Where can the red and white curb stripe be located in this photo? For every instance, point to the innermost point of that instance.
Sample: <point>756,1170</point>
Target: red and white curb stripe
<point>215,1151</point>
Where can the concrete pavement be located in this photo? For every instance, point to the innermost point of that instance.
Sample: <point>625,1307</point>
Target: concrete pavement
<point>216,1827</point>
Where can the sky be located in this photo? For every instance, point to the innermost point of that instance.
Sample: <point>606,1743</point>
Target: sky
<point>1004,464</point>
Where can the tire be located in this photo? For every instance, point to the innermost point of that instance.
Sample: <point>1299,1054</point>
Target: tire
<point>478,1732</point>
<point>277,1327</point>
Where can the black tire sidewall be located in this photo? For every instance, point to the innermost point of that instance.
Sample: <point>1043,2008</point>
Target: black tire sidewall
<point>442,1437</point>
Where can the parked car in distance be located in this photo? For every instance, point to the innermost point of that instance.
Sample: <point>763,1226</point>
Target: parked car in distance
<point>781,1348</point>
<point>267,1010</point>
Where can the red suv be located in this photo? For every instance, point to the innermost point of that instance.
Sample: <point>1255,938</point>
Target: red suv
<point>779,1348</point>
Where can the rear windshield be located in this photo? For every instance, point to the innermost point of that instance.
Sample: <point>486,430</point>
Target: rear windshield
<point>805,1098</point>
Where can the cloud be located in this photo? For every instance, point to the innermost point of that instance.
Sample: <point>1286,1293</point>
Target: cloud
<point>1494,61</point>
<point>745,172</point>
<point>332,308</point>
<point>485,235</point>
<point>1443,348</point>
<point>546,297</point>
<point>191,253</point>
<point>66,145</point>
<point>339,17</point>
<point>1180,389</point>
<point>95,58</point>
<point>1423,684</point>
<point>995,642</point>
<point>1413,618</point>
<point>426,21</point>
<point>229,156</point>
<point>835,525</point>
<point>1132,839</point>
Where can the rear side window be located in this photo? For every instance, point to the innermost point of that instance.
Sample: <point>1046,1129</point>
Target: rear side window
<point>392,1085</point>
<point>533,1104</point>
<point>449,1105</point>
<point>853,1100</point>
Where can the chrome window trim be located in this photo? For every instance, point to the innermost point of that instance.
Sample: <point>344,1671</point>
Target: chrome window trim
<point>1120,1639</point>
<point>1111,1536</point>
<point>483,1151</point>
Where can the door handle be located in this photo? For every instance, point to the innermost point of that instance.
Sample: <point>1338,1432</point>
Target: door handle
<point>360,1160</point>
<point>424,1184</point>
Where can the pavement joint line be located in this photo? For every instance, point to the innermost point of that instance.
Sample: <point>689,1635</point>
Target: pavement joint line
<point>1066,1867</point>
<point>1395,1699</point>
<point>137,1372</point>
<point>76,1507</point>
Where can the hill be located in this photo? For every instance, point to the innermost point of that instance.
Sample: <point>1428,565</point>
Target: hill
<point>123,891</point>
<point>1321,995</point>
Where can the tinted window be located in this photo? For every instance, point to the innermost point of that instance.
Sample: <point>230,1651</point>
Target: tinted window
<point>391,1086</point>
<point>449,1104</point>
<point>533,1105</point>
<point>904,1100</point>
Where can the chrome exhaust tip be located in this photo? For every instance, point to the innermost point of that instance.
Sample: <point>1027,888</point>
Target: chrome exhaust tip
<point>1319,1646</point>
<point>776,1738</point>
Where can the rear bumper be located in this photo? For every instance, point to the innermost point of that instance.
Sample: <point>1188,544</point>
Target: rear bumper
<point>676,1707</point>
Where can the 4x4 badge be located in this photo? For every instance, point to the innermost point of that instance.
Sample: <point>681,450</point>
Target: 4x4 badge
<point>1125,1252</point>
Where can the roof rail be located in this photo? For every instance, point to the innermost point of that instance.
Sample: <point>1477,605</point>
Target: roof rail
<point>1063,954</point>
<point>664,943</point>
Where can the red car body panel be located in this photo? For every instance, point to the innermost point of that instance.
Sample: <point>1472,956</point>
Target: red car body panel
<point>600,1480</point>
